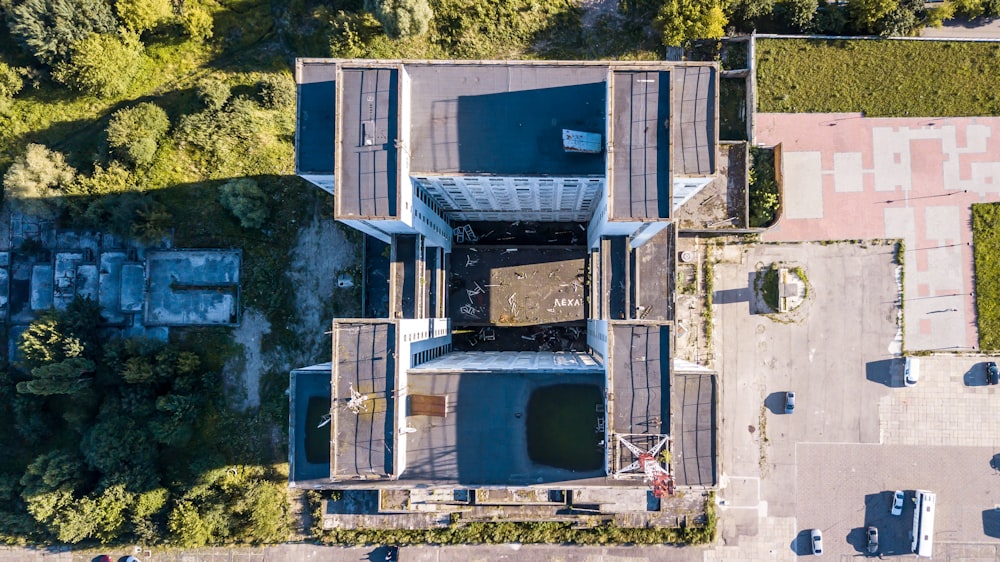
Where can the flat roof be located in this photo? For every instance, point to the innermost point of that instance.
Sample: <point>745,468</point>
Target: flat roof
<point>368,129</point>
<point>185,287</point>
<point>503,118</point>
<point>315,125</point>
<point>363,361</point>
<point>483,438</point>
<point>639,359</point>
<point>640,183</point>
<point>694,430</point>
<point>518,285</point>
<point>694,120</point>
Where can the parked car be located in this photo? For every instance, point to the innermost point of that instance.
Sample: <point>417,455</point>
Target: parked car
<point>897,502</point>
<point>104,558</point>
<point>816,536</point>
<point>872,540</point>
<point>131,559</point>
<point>992,374</point>
<point>789,402</point>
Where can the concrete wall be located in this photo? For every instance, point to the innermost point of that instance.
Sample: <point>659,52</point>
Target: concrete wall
<point>597,337</point>
<point>502,198</point>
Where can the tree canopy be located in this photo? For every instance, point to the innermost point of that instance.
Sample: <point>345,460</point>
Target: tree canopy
<point>683,20</point>
<point>48,29</point>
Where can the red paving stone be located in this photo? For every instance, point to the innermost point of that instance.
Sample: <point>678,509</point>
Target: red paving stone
<point>863,214</point>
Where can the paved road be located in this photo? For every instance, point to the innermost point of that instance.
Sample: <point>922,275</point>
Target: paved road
<point>311,553</point>
<point>964,29</point>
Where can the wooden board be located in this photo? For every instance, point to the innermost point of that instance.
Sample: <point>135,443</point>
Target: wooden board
<point>429,405</point>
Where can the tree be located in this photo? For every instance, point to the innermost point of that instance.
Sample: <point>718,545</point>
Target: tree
<point>939,14</point>
<point>799,14</point>
<point>34,180</point>
<point>277,91</point>
<point>65,377</point>
<point>11,80</point>
<point>264,513</point>
<point>48,29</point>
<point>152,223</point>
<point>212,92</point>
<point>196,20</point>
<point>244,198</point>
<point>134,133</point>
<point>682,20</point>
<point>121,449</point>
<point>142,15</point>
<point>175,423</point>
<point>868,14</point>
<point>102,65</point>
<point>61,469</point>
<point>746,11</point>
<point>976,8</point>
<point>401,18</point>
<point>46,342</point>
<point>58,335</point>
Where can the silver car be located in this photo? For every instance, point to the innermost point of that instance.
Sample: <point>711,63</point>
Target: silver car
<point>872,533</point>
<point>897,502</point>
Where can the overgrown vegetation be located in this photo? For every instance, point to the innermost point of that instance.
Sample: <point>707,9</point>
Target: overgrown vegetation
<point>986,252</point>
<point>765,197</point>
<point>879,78</point>
<point>548,532</point>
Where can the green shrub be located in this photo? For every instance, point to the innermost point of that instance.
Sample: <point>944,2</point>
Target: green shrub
<point>680,21</point>
<point>142,15</point>
<point>102,65</point>
<point>152,223</point>
<point>33,181</point>
<point>11,80</point>
<point>401,18</point>
<point>764,196</point>
<point>244,198</point>
<point>196,20</point>
<point>134,133</point>
<point>276,91</point>
<point>986,250</point>
<point>213,93</point>
<point>48,29</point>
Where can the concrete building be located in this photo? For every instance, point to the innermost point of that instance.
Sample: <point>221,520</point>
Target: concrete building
<point>433,158</point>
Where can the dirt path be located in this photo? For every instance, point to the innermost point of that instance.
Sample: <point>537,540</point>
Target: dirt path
<point>242,373</point>
<point>320,254</point>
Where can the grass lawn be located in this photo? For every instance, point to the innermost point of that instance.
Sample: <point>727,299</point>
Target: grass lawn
<point>882,78</point>
<point>986,251</point>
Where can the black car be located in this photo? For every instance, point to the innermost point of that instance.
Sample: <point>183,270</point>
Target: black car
<point>992,374</point>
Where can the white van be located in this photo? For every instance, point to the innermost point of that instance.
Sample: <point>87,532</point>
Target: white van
<point>911,371</point>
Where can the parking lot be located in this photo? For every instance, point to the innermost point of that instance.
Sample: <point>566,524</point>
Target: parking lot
<point>857,432</point>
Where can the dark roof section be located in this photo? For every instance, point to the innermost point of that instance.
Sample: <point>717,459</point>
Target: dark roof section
<point>640,168</point>
<point>639,359</point>
<point>316,121</point>
<point>694,120</point>
<point>504,118</point>
<point>369,126</point>
<point>694,440</point>
<point>310,392</point>
<point>363,360</point>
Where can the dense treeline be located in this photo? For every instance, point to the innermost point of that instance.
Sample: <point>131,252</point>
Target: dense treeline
<point>118,440</point>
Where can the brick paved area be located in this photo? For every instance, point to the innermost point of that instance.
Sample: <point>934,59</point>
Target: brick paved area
<point>848,177</point>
